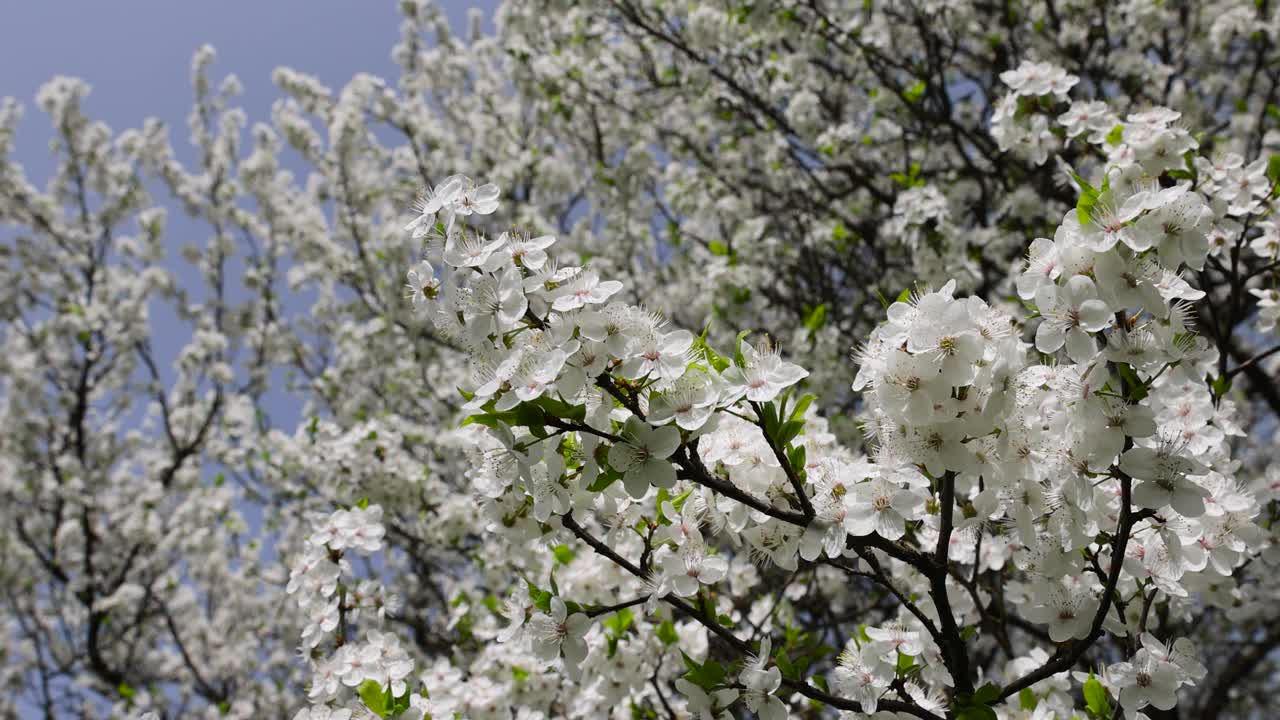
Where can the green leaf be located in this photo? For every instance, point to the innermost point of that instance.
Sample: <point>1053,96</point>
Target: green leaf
<point>707,676</point>
<point>904,296</point>
<point>375,698</point>
<point>1027,699</point>
<point>667,633</point>
<point>1136,389</point>
<point>1116,136</point>
<point>561,409</point>
<point>1088,199</point>
<point>986,695</point>
<point>619,622</point>
<point>399,705</point>
<point>802,406</point>
<point>541,598</point>
<point>784,664</point>
<point>1095,698</point>
<point>564,554</point>
<point>790,431</point>
<point>978,705</point>
<point>607,477</point>
<point>915,92</point>
<point>737,348</point>
<point>678,501</point>
<point>1220,385</point>
<point>839,233</point>
<point>126,691</point>
<point>1273,169</point>
<point>906,663</point>
<point>718,248</point>
<point>797,459</point>
<point>816,318</point>
<point>715,359</point>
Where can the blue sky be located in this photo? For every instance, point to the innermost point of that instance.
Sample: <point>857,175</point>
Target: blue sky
<point>136,55</point>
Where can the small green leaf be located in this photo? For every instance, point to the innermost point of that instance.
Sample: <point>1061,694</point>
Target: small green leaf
<point>737,348</point>
<point>1220,385</point>
<point>541,598</point>
<point>607,477</point>
<point>1095,698</point>
<point>718,248</point>
<point>986,695</point>
<point>619,622</point>
<point>1116,136</point>
<point>707,676</point>
<point>564,554</point>
<point>915,92</point>
<point>1027,699</point>
<point>678,501</point>
<point>126,691</point>
<point>1135,388</point>
<point>784,664</point>
<point>802,406</point>
<point>1088,199</point>
<point>667,633</point>
<point>374,697</point>
<point>816,318</point>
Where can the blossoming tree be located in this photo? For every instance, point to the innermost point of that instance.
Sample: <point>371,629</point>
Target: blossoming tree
<point>583,438</point>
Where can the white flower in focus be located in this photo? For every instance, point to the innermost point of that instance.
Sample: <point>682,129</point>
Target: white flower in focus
<point>1070,313</point>
<point>1163,472</point>
<point>421,286</point>
<point>760,684</point>
<point>1067,612</point>
<point>556,632</point>
<point>642,456</point>
<point>585,289</point>
<point>762,375</point>
<point>432,201</point>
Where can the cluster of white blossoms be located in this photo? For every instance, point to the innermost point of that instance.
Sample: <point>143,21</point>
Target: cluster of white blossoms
<point>655,519</point>
<point>327,589</point>
<point>1089,459</point>
<point>1021,121</point>
<point>1069,444</point>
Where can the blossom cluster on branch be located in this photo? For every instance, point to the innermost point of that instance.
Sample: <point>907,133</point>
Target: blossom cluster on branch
<point>238,477</point>
<point>1085,466</point>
